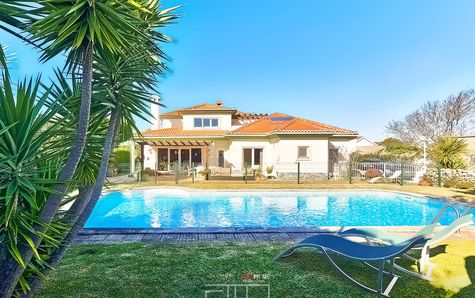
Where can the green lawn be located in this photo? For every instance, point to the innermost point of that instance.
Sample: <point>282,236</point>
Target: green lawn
<point>183,270</point>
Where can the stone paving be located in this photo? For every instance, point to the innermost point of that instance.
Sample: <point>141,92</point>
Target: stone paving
<point>250,235</point>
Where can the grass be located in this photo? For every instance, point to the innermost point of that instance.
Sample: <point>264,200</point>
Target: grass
<point>183,270</point>
<point>450,193</point>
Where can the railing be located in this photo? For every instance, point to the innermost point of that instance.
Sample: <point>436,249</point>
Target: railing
<point>442,211</point>
<point>346,171</point>
<point>469,208</point>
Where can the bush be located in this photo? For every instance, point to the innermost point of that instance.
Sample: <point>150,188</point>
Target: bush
<point>465,185</point>
<point>451,182</point>
<point>148,171</point>
<point>121,155</point>
<point>425,181</point>
<point>372,173</point>
<point>270,169</point>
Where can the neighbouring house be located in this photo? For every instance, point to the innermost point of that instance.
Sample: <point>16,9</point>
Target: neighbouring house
<point>365,146</point>
<point>470,140</point>
<point>230,142</point>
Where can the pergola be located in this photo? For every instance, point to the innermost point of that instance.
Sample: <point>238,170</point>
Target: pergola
<point>179,147</point>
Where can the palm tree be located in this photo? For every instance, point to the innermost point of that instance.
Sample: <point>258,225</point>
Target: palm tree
<point>448,152</point>
<point>124,84</point>
<point>77,28</point>
<point>30,157</point>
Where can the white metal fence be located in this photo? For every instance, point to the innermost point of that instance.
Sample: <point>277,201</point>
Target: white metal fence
<point>407,172</point>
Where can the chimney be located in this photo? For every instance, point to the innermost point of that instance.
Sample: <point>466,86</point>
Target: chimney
<point>219,103</point>
<point>155,111</point>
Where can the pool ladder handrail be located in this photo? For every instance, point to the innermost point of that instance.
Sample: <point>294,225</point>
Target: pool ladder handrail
<point>469,208</point>
<point>457,212</point>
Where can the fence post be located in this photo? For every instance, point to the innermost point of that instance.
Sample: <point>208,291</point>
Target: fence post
<point>298,172</point>
<point>156,168</point>
<point>176,173</point>
<point>245,172</point>
<point>350,170</point>
<point>439,176</point>
<point>192,172</point>
<point>402,173</point>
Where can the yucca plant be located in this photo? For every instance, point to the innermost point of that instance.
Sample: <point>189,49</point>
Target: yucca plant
<point>77,28</point>
<point>123,85</point>
<point>449,152</point>
<point>30,160</point>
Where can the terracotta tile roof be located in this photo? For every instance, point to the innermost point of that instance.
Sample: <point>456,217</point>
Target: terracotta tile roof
<point>179,132</point>
<point>201,107</point>
<point>248,116</point>
<point>282,123</point>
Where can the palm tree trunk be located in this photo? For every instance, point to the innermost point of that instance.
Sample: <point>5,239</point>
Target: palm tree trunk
<point>10,269</point>
<point>83,206</point>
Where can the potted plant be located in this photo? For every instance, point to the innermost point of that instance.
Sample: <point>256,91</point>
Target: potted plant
<point>205,173</point>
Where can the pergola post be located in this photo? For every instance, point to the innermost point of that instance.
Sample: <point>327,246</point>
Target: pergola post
<point>132,157</point>
<point>168,166</point>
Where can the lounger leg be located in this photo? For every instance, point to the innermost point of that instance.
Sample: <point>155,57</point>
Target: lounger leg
<point>380,277</point>
<point>378,292</point>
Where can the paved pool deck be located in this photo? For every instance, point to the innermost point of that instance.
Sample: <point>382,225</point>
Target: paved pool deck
<point>249,235</point>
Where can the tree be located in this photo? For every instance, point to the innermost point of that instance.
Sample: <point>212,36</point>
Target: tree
<point>31,154</point>
<point>123,85</point>
<point>77,28</point>
<point>452,116</point>
<point>448,152</point>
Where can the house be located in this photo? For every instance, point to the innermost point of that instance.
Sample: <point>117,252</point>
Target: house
<point>232,142</point>
<point>365,146</point>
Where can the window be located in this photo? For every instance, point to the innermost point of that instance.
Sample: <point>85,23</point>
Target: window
<point>303,152</point>
<point>198,122</point>
<point>252,157</point>
<point>257,156</point>
<point>206,122</point>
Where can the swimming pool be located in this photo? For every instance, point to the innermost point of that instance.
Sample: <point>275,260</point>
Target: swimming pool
<point>175,208</point>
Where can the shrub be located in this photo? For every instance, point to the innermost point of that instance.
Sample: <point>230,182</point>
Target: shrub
<point>372,173</point>
<point>425,181</point>
<point>148,171</point>
<point>270,169</point>
<point>449,152</point>
<point>451,182</point>
<point>465,185</point>
<point>121,155</point>
<point>205,172</point>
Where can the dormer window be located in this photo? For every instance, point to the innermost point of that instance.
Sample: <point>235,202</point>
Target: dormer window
<point>205,122</point>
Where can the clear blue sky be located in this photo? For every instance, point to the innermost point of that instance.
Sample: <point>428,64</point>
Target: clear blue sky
<point>354,64</point>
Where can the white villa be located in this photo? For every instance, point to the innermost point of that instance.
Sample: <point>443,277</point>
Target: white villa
<point>229,142</point>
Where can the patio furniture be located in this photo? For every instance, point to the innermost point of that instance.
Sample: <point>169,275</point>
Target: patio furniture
<point>329,244</point>
<point>394,176</point>
<point>377,237</point>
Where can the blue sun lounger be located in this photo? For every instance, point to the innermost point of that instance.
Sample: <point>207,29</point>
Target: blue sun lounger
<point>375,236</point>
<point>332,244</point>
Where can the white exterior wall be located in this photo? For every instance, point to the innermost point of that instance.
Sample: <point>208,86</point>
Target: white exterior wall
<point>287,155</point>
<point>172,123</point>
<point>224,121</point>
<point>235,154</point>
<point>345,147</point>
<point>150,157</point>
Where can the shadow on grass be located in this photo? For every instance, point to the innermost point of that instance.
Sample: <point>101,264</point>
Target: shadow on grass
<point>406,286</point>
<point>440,249</point>
<point>469,290</point>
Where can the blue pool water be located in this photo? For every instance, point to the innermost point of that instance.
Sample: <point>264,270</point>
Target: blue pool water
<point>167,208</point>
